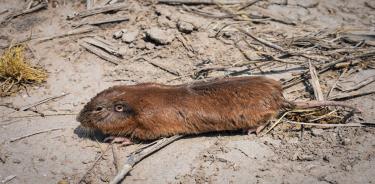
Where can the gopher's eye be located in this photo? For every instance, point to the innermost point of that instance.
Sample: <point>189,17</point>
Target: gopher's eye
<point>119,108</point>
<point>99,108</point>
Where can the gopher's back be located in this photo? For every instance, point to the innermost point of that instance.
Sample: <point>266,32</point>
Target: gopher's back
<point>217,105</point>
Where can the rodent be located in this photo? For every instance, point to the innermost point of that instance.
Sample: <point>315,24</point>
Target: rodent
<point>148,111</point>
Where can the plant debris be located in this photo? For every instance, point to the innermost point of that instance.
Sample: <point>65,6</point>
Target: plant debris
<point>15,72</point>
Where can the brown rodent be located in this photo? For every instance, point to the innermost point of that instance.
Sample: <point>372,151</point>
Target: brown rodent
<point>149,111</point>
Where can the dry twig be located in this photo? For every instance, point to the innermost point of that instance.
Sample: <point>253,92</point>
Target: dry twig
<point>163,68</point>
<point>250,3</point>
<point>351,95</point>
<point>8,179</point>
<point>69,33</point>
<point>295,80</point>
<point>13,15</point>
<point>370,5</point>
<point>140,155</point>
<point>46,115</point>
<point>25,108</point>
<point>315,83</point>
<point>4,11</point>
<point>323,116</point>
<point>103,44</point>
<point>328,66</point>
<point>327,125</point>
<point>359,85</point>
<point>334,85</point>
<point>94,164</point>
<point>101,53</point>
<point>264,42</point>
<point>313,104</point>
<point>192,2</point>
<point>277,122</point>
<point>160,67</point>
<point>108,2</point>
<point>115,158</point>
<point>103,21</point>
<point>36,133</point>
<point>104,9</point>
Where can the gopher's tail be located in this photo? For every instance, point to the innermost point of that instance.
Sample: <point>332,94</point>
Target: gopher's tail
<point>288,105</point>
<point>311,104</point>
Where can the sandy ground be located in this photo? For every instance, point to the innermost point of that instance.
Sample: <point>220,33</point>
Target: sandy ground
<point>332,155</point>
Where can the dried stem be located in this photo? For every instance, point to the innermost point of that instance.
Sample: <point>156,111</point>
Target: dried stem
<point>139,155</point>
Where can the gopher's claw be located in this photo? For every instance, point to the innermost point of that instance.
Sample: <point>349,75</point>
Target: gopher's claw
<point>122,140</point>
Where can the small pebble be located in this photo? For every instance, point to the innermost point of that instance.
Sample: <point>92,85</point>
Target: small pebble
<point>317,132</point>
<point>159,36</point>
<point>118,34</point>
<point>305,157</point>
<point>185,27</point>
<point>16,161</point>
<point>130,36</point>
<point>140,44</point>
<point>346,141</point>
<point>41,159</point>
<point>122,51</point>
<point>348,168</point>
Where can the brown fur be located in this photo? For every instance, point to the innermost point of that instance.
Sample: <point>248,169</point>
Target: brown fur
<point>155,110</point>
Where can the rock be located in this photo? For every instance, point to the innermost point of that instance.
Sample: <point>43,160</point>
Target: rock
<point>227,34</point>
<point>326,158</point>
<point>279,2</point>
<point>54,158</point>
<point>118,34</point>
<point>197,21</point>
<point>308,3</point>
<point>159,36</point>
<point>317,132</point>
<point>305,157</point>
<point>185,27</point>
<point>346,141</point>
<point>129,36</point>
<point>16,161</point>
<point>140,44</point>
<point>122,51</point>
<point>41,159</point>
<point>348,168</point>
<point>150,46</point>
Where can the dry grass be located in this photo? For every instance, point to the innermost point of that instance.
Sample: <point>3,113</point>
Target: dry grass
<point>320,115</point>
<point>15,72</point>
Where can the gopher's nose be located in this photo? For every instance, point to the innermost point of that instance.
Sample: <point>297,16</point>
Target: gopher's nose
<point>80,117</point>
